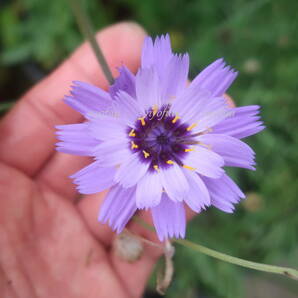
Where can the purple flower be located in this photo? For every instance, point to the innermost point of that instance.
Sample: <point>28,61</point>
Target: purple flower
<point>158,142</point>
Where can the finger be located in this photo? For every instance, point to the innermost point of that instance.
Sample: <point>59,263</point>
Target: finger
<point>27,133</point>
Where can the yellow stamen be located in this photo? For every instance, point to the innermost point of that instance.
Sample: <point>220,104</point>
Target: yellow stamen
<point>133,145</point>
<point>146,154</point>
<point>208,146</point>
<point>132,133</point>
<point>170,162</point>
<point>188,167</point>
<point>155,110</point>
<point>175,119</point>
<point>156,168</point>
<point>142,121</point>
<point>191,126</point>
<point>189,149</point>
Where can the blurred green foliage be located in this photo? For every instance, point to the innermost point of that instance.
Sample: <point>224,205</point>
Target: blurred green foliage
<point>257,37</point>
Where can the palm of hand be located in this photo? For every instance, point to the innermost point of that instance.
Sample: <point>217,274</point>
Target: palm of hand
<point>50,245</point>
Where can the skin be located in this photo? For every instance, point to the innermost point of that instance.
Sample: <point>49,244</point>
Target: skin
<point>51,244</point>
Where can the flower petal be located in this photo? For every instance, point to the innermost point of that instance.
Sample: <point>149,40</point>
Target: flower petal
<point>176,76</point>
<point>149,190</point>
<point>169,219</point>
<point>224,193</point>
<point>105,127</point>
<point>86,98</point>
<point>216,78</point>
<point>112,152</point>
<point>198,197</point>
<point>125,82</point>
<point>128,108</point>
<point>242,124</point>
<point>94,178</point>
<point>234,152</point>
<point>118,207</point>
<point>131,171</point>
<point>205,162</point>
<point>174,182</point>
<point>148,88</point>
<point>75,139</point>
<point>157,54</point>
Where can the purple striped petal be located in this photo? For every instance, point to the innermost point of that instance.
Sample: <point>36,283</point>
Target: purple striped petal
<point>244,123</point>
<point>105,127</point>
<point>174,182</point>
<point>94,178</point>
<point>75,139</point>
<point>148,95</point>
<point>224,193</point>
<point>216,78</point>
<point>169,219</point>
<point>176,75</point>
<point>157,54</point>
<point>198,197</point>
<point>125,82</point>
<point>128,108</point>
<point>112,152</point>
<point>149,191</point>
<point>131,171</point>
<point>87,98</point>
<point>205,162</point>
<point>234,152</point>
<point>118,207</point>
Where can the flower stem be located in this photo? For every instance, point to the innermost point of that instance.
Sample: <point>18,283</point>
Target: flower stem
<point>5,106</point>
<point>289,272</point>
<point>86,29</point>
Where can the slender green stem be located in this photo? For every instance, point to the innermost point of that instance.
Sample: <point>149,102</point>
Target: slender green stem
<point>289,272</point>
<point>86,29</point>
<point>5,106</point>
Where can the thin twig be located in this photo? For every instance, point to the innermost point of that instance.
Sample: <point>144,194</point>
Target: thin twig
<point>86,29</point>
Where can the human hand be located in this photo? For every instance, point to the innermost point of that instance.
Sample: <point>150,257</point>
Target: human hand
<point>51,244</point>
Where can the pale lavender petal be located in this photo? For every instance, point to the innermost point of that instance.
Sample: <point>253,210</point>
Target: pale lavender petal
<point>147,53</point>
<point>118,207</point>
<point>87,98</point>
<point>224,193</point>
<point>174,182</point>
<point>105,127</point>
<point>198,197</point>
<point>169,219</point>
<point>128,108</point>
<point>242,124</point>
<point>205,162</point>
<point>149,190</point>
<point>176,75</point>
<point>125,82</point>
<point>94,178</point>
<point>233,151</point>
<point>112,152</point>
<point>216,78</point>
<point>131,171</point>
<point>189,103</point>
<point>157,54</point>
<point>75,139</point>
<point>214,112</point>
<point>148,94</point>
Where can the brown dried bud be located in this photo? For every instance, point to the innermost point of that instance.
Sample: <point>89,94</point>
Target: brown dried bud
<point>128,247</point>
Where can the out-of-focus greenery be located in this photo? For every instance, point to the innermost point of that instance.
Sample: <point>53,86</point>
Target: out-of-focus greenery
<point>257,37</point>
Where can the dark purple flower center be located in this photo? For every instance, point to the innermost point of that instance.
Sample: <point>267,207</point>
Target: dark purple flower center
<point>161,138</point>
